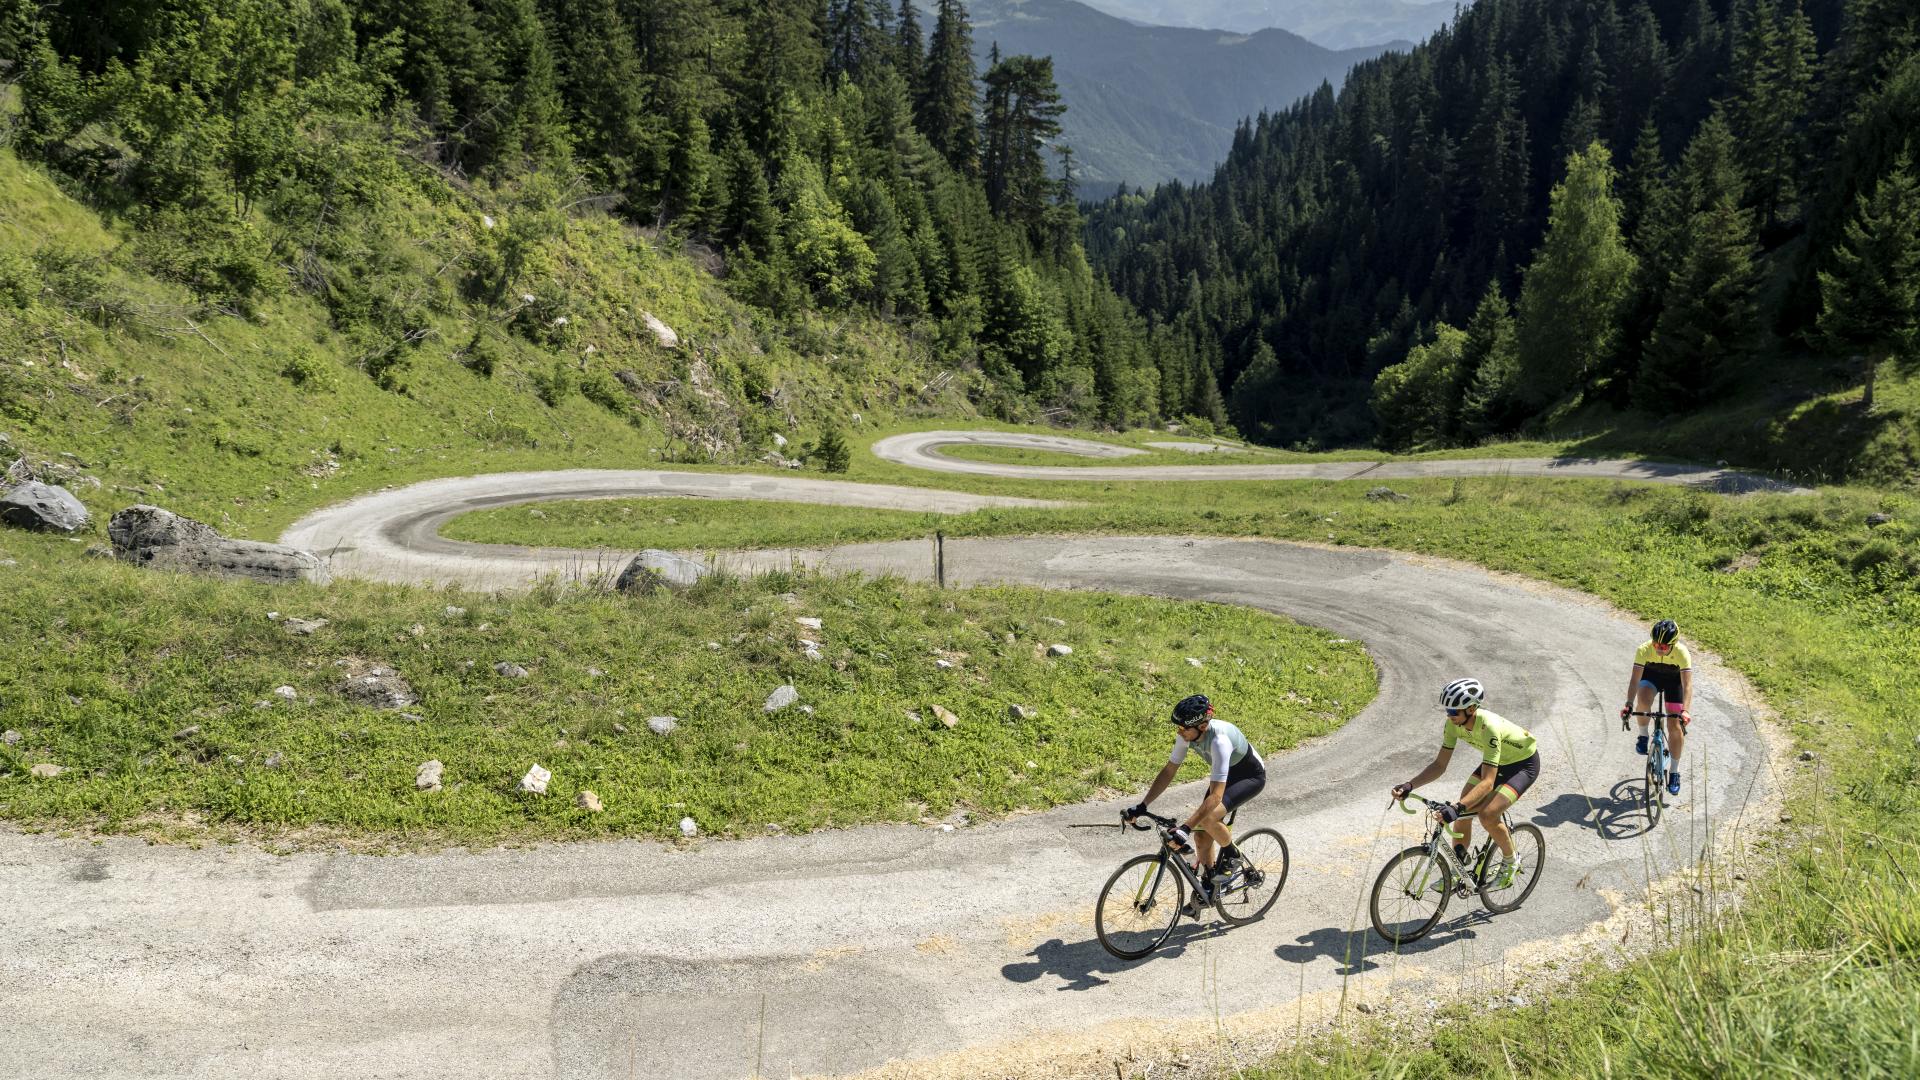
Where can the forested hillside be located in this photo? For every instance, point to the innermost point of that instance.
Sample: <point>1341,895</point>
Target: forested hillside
<point>1554,206</point>
<point>1146,104</point>
<point>422,174</point>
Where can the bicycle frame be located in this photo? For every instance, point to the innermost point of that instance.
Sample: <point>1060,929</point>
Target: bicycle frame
<point>1176,857</point>
<point>1440,843</point>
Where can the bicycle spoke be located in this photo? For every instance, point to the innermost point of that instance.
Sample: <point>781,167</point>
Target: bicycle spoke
<point>1139,906</point>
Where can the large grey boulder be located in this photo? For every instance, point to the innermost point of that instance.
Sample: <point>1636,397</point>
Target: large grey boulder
<point>149,536</point>
<point>34,505</point>
<point>655,567</point>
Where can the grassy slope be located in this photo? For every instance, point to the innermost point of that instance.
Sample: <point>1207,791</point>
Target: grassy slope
<point>195,412</point>
<point>111,662</point>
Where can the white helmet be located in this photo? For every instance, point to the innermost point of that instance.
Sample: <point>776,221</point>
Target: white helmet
<point>1461,693</point>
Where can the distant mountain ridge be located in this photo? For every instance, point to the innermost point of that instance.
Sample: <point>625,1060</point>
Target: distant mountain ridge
<point>1147,104</point>
<point>1335,24</point>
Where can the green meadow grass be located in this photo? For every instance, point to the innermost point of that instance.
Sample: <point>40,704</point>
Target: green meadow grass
<point>149,689</point>
<point>684,524</point>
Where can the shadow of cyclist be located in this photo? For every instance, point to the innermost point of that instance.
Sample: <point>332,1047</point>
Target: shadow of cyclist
<point>1356,951</point>
<point>1081,964</point>
<point>1617,815</point>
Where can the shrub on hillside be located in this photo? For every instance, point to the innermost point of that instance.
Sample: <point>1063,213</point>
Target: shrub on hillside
<point>19,281</point>
<point>307,371</point>
<point>220,257</point>
<point>830,453</point>
<point>554,384</point>
<point>600,388</point>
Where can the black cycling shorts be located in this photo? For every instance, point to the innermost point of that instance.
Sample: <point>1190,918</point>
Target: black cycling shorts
<point>1244,781</point>
<point>1516,778</point>
<point>1664,679</point>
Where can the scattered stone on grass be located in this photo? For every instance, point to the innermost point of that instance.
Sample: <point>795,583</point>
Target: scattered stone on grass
<point>95,551</point>
<point>654,568</point>
<point>508,670</point>
<point>588,801</point>
<point>378,687</point>
<point>286,692</point>
<point>809,623</point>
<point>781,697</point>
<point>1876,520</point>
<point>187,732</point>
<point>44,507</point>
<point>943,664</point>
<point>1019,712</point>
<point>662,725</point>
<point>535,782</point>
<point>455,612</point>
<point>688,828</point>
<point>151,537</point>
<point>275,760</point>
<point>812,654</point>
<point>1386,494</point>
<point>303,627</point>
<point>47,770</point>
<point>11,738</point>
<point>941,714</point>
<point>915,717</point>
<point>1051,621</point>
<point>662,333</point>
<point>1059,650</point>
<point>1194,661</point>
<point>427,776</point>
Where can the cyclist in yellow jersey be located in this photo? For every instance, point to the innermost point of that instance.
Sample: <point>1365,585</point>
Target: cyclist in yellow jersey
<point>1662,663</point>
<point>1509,764</point>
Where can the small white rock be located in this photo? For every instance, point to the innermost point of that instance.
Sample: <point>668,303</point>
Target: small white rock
<point>11,738</point>
<point>1051,621</point>
<point>779,440</point>
<point>812,654</point>
<point>943,664</point>
<point>946,828</point>
<point>941,714</point>
<point>286,692</point>
<point>781,698</point>
<point>688,828</point>
<point>508,670</point>
<point>535,782</point>
<point>47,770</point>
<point>455,612</point>
<point>303,627</point>
<point>662,725</point>
<point>713,646</point>
<point>273,616</point>
<point>1060,650</point>
<point>1193,661</point>
<point>809,623</point>
<point>1019,712</point>
<point>588,801</point>
<point>427,776</point>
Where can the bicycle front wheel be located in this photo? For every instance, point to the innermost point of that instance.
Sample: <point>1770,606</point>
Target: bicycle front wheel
<point>1253,888</point>
<point>1139,906</point>
<point>1529,857</point>
<point>1655,796</point>
<point>1410,895</point>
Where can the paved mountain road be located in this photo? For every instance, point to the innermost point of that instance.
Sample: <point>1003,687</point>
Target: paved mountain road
<point>840,951</point>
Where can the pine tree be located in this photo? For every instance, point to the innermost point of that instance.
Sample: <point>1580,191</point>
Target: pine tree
<point>1772,72</point>
<point>946,113</point>
<point>1870,300</point>
<point>1489,363</point>
<point>910,49</point>
<point>1022,116</point>
<point>1708,321</point>
<point>1572,300</point>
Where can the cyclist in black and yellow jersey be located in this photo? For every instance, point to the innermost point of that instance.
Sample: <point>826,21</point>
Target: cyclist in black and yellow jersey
<point>1509,765</point>
<point>1662,663</point>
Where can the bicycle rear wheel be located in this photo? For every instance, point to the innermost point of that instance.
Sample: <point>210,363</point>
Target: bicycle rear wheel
<point>1252,889</point>
<point>1139,906</point>
<point>1529,857</point>
<point>1410,895</point>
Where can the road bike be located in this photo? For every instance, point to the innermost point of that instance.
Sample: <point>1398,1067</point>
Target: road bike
<point>1143,900</point>
<point>1654,797</point>
<point>1413,889</point>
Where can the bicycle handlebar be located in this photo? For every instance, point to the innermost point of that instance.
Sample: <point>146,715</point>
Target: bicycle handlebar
<point>1451,835</point>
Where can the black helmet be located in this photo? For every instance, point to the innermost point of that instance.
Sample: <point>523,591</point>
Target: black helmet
<point>1665,631</point>
<point>1192,711</point>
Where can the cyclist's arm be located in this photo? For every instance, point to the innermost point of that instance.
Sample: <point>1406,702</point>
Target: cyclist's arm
<point>1633,683</point>
<point>1434,768</point>
<point>1216,793</point>
<point>1686,689</point>
<point>1160,782</point>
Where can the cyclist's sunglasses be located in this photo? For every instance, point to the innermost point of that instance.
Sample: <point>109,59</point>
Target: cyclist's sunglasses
<point>1456,712</point>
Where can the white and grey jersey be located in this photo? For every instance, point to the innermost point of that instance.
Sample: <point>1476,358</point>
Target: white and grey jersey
<point>1223,747</point>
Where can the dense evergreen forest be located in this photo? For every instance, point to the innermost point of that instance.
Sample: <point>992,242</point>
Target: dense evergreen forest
<point>1550,205</point>
<point>835,155</point>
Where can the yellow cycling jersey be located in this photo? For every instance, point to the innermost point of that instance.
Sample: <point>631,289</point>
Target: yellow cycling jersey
<point>1676,660</point>
<point>1499,740</point>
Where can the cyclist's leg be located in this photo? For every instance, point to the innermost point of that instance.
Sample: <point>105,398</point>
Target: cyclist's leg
<point>1510,782</point>
<point>1464,825</point>
<point>1676,733</point>
<point>1643,703</point>
<point>1244,781</point>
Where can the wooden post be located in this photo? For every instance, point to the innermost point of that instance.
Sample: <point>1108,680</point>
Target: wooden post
<point>940,558</point>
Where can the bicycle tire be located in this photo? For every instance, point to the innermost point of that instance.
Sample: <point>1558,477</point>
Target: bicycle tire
<point>1530,851</point>
<point>1149,939</point>
<point>1272,862</point>
<point>1655,778</point>
<point>1407,935</point>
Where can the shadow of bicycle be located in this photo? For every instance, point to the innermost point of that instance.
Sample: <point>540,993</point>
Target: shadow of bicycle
<point>1618,815</point>
<point>1355,951</point>
<point>1081,964</point>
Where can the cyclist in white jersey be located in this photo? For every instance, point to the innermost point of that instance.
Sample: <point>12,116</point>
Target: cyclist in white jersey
<point>1235,774</point>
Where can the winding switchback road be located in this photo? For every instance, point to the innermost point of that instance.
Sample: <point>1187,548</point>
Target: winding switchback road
<point>921,450</point>
<point>958,953</point>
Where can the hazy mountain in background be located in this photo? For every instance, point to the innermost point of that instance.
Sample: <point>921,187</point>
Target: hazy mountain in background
<point>1147,104</point>
<point>1336,24</point>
